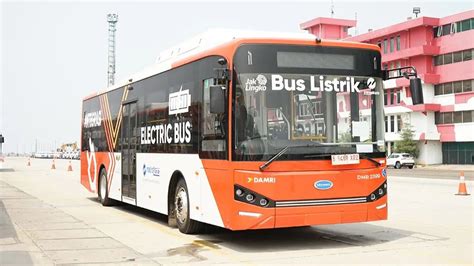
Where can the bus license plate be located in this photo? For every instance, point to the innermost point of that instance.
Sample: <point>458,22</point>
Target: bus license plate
<point>341,159</point>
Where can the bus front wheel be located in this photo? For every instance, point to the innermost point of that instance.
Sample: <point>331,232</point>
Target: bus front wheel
<point>102,191</point>
<point>181,205</point>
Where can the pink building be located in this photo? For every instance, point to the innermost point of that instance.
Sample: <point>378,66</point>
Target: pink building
<point>441,49</point>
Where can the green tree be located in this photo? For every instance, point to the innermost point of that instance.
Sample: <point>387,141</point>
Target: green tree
<point>407,144</point>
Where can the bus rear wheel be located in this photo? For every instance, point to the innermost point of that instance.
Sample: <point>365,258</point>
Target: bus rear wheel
<point>102,191</point>
<point>181,205</point>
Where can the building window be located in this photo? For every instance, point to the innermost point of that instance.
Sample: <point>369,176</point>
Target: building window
<point>452,28</point>
<point>446,29</point>
<point>399,123</point>
<point>437,118</point>
<point>438,60</point>
<point>437,32</point>
<point>454,117</point>
<point>447,117</point>
<point>457,86</point>
<point>398,43</point>
<point>392,95</point>
<point>386,123</point>
<point>467,116</point>
<point>465,25</point>
<point>399,95</point>
<point>438,89</point>
<point>448,88</point>
<point>392,123</point>
<point>385,97</point>
<point>385,44</point>
<point>457,117</point>
<point>467,85</point>
<point>467,55</point>
<point>392,44</point>
<point>454,87</point>
<point>455,57</point>
<point>448,58</point>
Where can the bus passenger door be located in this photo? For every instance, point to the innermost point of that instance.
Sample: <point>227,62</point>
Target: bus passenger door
<point>129,149</point>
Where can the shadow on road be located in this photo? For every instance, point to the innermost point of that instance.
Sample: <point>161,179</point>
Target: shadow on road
<point>287,239</point>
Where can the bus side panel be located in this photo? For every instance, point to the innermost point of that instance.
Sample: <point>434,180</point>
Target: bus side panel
<point>114,175</point>
<point>154,172</point>
<point>94,149</point>
<point>91,163</point>
<point>87,178</point>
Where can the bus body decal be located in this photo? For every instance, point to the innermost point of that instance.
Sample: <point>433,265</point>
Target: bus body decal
<point>154,171</point>
<point>115,176</point>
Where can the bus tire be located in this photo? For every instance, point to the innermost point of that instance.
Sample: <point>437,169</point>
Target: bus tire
<point>181,205</point>
<point>102,192</point>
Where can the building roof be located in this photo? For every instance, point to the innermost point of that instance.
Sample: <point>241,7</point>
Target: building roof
<point>412,23</point>
<point>329,21</point>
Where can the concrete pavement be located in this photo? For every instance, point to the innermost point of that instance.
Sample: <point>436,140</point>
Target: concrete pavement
<point>434,173</point>
<point>49,218</point>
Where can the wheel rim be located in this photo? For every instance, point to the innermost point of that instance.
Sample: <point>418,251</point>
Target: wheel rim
<point>103,186</point>
<point>181,205</point>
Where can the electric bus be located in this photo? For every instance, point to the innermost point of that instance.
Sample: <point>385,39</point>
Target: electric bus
<point>244,131</point>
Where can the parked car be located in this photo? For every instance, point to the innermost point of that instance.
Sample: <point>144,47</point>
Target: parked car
<point>41,155</point>
<point>399,160</point>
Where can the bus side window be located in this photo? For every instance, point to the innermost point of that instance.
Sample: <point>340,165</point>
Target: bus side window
<point>213,128</point>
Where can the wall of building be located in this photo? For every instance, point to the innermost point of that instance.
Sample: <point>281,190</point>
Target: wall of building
<point>420,46</point>
<point>430,152</point>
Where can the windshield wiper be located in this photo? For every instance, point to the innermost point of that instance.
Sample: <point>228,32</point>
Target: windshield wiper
<point>282,151</point>
<point>370,159</point>
<point>273,158</point>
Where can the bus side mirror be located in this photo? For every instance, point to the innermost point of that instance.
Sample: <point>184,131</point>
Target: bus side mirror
<point>217,99</point>
<point>416,91</point>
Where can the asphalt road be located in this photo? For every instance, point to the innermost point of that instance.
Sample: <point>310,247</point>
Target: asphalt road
<point>47,218</point>
<point>431,173</point>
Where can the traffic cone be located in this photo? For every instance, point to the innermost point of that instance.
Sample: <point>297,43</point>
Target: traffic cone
<point>53,166</point>
<point>462,190</point>
<point>69,168</point>
<point>28,164</point>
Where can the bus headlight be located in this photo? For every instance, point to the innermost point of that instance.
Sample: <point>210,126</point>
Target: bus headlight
<point>378,193</point>
<point>239,192</point>
<point>250,197</point>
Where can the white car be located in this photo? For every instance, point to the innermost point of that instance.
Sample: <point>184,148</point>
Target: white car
<point>399,160</point>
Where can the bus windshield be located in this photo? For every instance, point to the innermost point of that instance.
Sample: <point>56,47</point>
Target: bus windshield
<point>296,104</point>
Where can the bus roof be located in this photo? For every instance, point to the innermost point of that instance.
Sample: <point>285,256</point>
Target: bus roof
<point>210,39</point>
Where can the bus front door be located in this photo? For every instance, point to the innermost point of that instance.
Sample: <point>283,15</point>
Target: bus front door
<point>129,149</point>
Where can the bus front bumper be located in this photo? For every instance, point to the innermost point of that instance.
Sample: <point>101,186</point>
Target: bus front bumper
<point>253,217</point>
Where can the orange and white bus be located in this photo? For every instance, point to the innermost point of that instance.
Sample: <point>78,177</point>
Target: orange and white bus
<point>244,131</point>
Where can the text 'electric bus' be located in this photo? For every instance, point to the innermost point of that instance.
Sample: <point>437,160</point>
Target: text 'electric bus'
<point>244,132</point>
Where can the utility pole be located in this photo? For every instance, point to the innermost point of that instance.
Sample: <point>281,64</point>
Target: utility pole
<point>112,20</point>
<point>332,8</point>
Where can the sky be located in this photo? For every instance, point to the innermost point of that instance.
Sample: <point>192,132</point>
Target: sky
<point>53,54</point>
